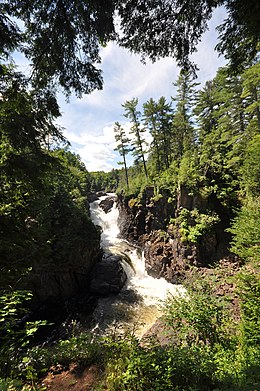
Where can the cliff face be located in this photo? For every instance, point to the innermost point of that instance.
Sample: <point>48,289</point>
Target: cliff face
<point>66,254</point>
<point>155,222</point>
<point>139,217</point>
<point>53,284</point>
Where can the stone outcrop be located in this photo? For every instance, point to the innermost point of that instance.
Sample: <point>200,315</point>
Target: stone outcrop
<point>95,196</point>
<point>164,257</point>
<point>52,285</point>
<point>139,217</point>
<point>147,222</point>
<point>107,276</point>
<point>108,203</point>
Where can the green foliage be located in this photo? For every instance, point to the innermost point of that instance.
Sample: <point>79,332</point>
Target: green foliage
<point>15,333</point>
<point>193,224</point>
<point>246,231</point>
<point>122,146</point>
<point>62,41</point>
<point>251,168</point>
<point>189,171</point>
<point>249,293</point>
<point>16,385</point>
<point>137,182</point>
<point>105,181</point>
<point>207,350</point>
<point>198,318</point>
<point>44,216</point>
<point>157,117</point>
<point>82,349</point>
<point>138,142</point>
<point>183,133</point>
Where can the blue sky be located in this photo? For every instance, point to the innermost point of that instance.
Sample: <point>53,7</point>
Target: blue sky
<point>88,122</point>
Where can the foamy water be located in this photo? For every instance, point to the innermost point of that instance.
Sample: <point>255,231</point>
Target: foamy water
<point>147,292</point>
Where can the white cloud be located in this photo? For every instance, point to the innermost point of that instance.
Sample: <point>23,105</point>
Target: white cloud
<point>89,121</point>
<point>97,151</point>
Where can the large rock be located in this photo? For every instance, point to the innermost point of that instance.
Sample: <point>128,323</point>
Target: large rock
<point>107,276</point>
<point>107,204</point>
<point>92,197</point>
<point>52,286</point>
<point>165,258</point>
<point>147,222</point>
<point>139,217</point>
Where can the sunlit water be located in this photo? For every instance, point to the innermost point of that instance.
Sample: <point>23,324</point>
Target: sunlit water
<point>137,306</point>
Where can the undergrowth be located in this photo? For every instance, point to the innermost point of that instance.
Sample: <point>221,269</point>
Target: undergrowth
<point>208,350</point>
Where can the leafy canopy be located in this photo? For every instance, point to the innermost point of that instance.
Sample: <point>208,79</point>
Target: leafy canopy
<point>62,39</point>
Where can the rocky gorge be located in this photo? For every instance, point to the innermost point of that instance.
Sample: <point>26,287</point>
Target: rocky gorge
<point>155,222</point>
<point>151,224</point>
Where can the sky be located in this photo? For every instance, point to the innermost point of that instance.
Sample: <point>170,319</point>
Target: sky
<point>88,122</point>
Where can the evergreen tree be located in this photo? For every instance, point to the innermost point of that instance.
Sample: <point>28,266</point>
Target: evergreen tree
<point>251,93</point>
<point>137,130</point>
<point>157,119</point>
<point>62,39</point>
<point>43,197</point>
<point>183,131</point>
<point>122,146</point>
<point>150,115</point>
<point>227,118</point>
<point>165,129</point>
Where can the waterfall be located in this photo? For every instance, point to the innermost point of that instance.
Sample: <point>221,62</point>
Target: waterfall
<point>138,304</point>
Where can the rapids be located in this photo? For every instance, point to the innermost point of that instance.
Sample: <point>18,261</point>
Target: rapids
<point>137,306</point>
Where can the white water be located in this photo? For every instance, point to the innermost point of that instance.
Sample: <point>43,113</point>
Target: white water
<point>138,304</point>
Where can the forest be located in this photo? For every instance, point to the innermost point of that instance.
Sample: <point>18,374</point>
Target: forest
<point>204,142</point>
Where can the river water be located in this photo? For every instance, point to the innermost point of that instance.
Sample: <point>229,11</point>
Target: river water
<point>137,306</point>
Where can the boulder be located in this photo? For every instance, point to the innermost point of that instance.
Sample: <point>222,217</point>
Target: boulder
<point>107,276</point>
<point>108,203</point>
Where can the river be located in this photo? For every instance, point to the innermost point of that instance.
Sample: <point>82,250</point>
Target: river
<point>137,306</point>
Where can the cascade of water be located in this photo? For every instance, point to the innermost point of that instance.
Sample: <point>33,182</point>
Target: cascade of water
<point>142,295</point>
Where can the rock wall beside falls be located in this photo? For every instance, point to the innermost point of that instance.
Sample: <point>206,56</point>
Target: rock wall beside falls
<point>53,284</point>
<point>156,222</point>
<point>63,268</point>
<point>139,216</point>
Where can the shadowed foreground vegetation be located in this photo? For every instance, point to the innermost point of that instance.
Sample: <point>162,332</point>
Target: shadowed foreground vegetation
<point>212,346</point>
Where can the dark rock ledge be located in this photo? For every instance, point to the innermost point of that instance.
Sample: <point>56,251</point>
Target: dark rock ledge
<point>107,276</point>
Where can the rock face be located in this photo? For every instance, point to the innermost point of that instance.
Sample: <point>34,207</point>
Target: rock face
<point>55,285</point>
<point>139,217</point>
<point>147,222</point>
<point>108,203</point>
<point>107,276</point>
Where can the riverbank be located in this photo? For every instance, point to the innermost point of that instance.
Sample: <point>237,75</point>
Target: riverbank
<point>219,310</point>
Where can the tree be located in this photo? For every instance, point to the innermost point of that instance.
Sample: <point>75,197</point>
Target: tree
<point>240,33</point>
<point>151,123</point>
<point>26,120</point>
<point>183,131</point>
<point>138,142</point>
<point>251,93</point>
<point>160,28</point>
<point>245,227</point>
<point>158,120</point>
<point>62,39</point>
<point>122,146</point>
<point>227,112</point>
<point>43,199</point>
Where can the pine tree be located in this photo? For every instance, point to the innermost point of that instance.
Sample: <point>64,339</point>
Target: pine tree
<point>137,130</point>
<point>122,146</point>
<point>157,119</point>
<point>183,131</point>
